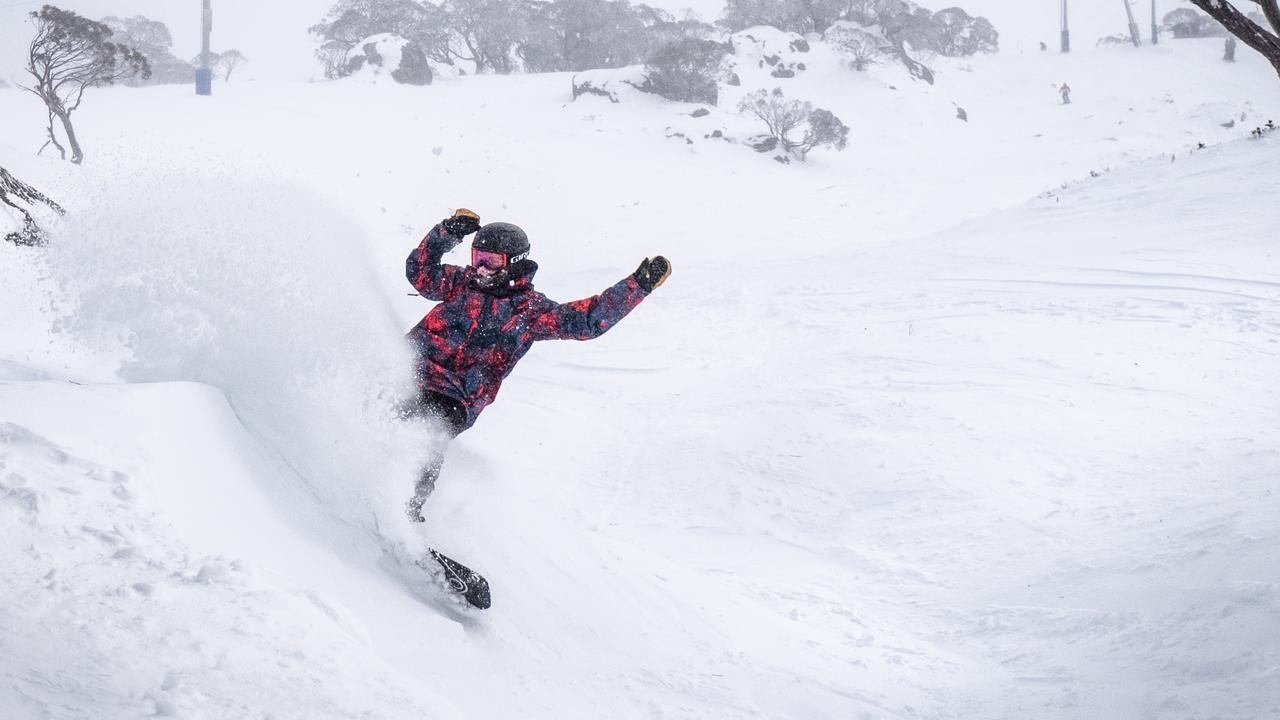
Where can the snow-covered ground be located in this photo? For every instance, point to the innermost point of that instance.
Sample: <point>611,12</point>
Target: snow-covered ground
<point>937,427</point>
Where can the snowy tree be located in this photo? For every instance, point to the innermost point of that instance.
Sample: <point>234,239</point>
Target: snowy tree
<point>14,194</point>
<point>824,129</point>
<point>153,40</point>
<point>145,35</point>
<point>69,55</point>
<point>863,49</point>
<point>488,31</point>
<point>1257,36</point>
<point>227,62</point>
<point>950,32</point>
<point>686,71</point>
<point>575,35</point>
<point>799,16</point>
<point>785,119</point>
<point>958,34</point>
<point>663,29</point>
<point>742,14</point>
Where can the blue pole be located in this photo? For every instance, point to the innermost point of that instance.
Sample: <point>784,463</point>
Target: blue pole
<point>204,76</point>
<point>1066,31</point>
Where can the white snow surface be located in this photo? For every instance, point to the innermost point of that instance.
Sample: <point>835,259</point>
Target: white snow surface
<point>937,427</point>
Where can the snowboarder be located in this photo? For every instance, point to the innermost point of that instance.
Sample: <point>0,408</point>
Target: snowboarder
<point>1066,93</point>
<point>488,317</point>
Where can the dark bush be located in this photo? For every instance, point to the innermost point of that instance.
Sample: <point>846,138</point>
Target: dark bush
<point>863,49</point>
<point>414,69</point>
<point>686,71</point>
<point>784,119</point>
<point>1187,23</point>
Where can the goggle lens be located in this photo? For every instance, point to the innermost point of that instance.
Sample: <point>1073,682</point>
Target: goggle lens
<point>488,259</point>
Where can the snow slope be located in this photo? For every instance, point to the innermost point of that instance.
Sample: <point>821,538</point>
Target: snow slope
<point>893,442</point>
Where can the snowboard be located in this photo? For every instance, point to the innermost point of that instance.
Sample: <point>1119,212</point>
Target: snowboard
<point>461,579</point>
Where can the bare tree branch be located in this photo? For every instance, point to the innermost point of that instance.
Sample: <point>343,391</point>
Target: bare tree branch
<point>1250,33</point>
<point>13,190</point>
<point>1271,9</point>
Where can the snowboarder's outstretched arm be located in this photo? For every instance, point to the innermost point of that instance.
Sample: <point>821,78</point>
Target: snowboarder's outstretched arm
<point>592,317</point>
<point>431,278</point>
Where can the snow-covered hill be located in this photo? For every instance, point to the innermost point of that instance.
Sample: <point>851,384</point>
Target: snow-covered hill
<point>937,427</point>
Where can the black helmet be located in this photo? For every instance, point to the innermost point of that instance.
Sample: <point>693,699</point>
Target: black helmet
<point>503,238</point>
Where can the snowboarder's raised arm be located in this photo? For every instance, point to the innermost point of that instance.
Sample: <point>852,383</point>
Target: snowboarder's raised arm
<point>592,317</point>
<point>431,278</point>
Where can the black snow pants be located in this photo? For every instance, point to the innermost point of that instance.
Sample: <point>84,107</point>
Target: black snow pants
<point>450,417</point>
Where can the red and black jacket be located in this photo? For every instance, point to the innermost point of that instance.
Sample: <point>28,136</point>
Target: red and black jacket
<point>472,340</point>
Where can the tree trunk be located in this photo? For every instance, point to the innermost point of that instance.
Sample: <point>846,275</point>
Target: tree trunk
<point>77,155</point>
<point>1271,8</point>
<point>1249,32</point>
<point>53,140</point>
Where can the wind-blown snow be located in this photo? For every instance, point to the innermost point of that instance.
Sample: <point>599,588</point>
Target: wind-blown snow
<point>904,435</point>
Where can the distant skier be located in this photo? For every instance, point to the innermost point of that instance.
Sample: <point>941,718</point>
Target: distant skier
<point>1066,93</point>
<point>488,318</point>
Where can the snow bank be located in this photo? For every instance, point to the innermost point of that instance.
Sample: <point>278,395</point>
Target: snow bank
<point>171,589</point>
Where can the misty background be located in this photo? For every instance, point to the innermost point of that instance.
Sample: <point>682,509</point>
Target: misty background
<point>275,39</point>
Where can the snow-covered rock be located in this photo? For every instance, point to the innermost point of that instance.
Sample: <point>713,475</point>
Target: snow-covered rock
<point>615,84</point>
<point>386,55</point>
<point>769,52</point>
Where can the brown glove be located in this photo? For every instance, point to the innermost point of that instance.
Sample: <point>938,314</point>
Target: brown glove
<point>463,223</point>
<point>653,272</point>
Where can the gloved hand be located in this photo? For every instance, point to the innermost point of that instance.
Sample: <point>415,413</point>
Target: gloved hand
<point>652,272</point>
<point>463,223</point>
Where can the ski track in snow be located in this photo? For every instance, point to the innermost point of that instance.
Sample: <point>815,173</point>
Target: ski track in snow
<point>1018,467</point>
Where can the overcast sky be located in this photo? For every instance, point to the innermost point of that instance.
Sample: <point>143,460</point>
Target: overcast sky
<point>273,33</point>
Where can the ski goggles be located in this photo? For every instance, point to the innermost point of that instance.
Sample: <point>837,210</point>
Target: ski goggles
<point>493,260</point>
<point>488,259</point>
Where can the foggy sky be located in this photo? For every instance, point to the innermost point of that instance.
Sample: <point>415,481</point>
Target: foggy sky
<point>273,33</point>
